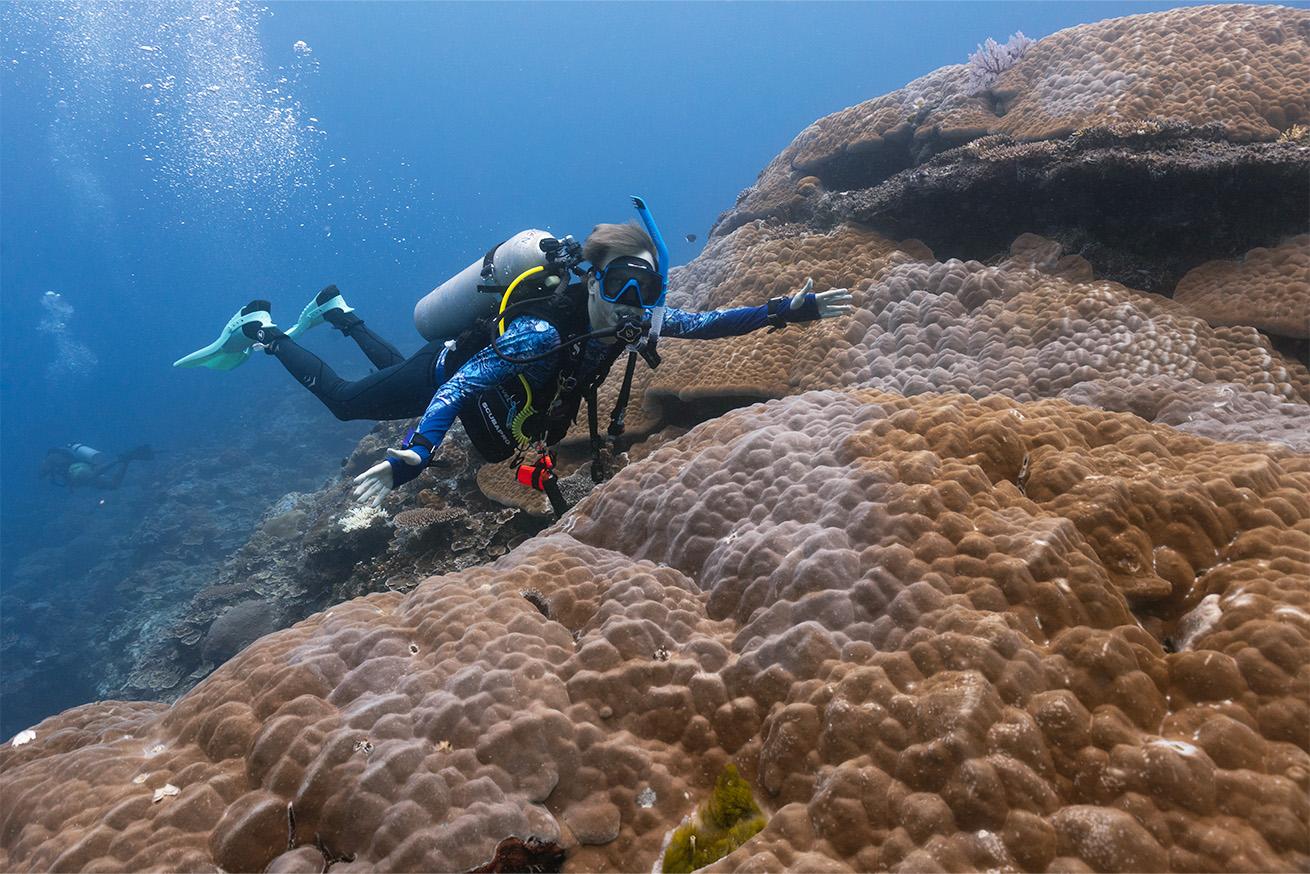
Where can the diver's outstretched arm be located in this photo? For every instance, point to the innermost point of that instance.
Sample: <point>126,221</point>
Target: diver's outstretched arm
<point>524,338</point>
<point>803,306</point>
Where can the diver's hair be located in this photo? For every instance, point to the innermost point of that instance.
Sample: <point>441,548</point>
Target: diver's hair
<point>606,242</point>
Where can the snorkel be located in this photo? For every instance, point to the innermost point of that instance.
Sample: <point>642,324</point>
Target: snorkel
<point>662,254</point>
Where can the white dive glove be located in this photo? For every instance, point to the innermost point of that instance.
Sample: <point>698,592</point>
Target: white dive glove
<point>400,466</point>
<point>834,302</point>
<point>807,306</point>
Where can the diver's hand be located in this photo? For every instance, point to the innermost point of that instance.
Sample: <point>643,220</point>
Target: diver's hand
<point>400,466</point>
<point>827,304</point>
<point>806,306</point>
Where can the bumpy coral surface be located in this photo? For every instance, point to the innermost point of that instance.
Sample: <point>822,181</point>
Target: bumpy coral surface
<point>1242,67</point>
<point>1268,289</point>
<point>930,631</point>
<point>746,268</point>
<point>1035,325</point>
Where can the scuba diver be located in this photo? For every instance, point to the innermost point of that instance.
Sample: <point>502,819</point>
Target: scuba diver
<point>515,346</point>
<point>79,466</point>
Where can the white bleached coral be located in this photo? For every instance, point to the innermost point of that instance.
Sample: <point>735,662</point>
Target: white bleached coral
<point>358,518</point>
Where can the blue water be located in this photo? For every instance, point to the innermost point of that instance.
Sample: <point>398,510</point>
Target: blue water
<point>162,165</point>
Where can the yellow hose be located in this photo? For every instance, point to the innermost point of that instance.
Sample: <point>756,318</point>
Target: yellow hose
<point>517,426</point>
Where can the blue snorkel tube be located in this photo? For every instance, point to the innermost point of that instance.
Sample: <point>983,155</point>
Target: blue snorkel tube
<point>662,255</point>
<point>661,250</point>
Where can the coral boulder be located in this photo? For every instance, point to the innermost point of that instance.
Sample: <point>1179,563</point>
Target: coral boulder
<point>930,631</point>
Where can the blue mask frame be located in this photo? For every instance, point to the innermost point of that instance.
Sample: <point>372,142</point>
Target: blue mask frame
<point>636,272</point>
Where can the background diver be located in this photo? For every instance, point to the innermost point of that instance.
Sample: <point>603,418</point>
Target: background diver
<point>516,378</point>
<point>80,466</point>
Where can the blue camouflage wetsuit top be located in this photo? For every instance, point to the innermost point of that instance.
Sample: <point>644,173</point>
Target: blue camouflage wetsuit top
<point>527,336</point>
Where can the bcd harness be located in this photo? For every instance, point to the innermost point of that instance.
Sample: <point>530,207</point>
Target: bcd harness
<point>506,422</point>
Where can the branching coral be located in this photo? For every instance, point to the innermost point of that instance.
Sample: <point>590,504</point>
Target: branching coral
<point>1297,133</point>
<point>992,59</point>
<point>419,517</point>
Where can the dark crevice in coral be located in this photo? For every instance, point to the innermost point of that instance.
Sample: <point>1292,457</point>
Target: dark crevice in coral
<point>1294,348</point>
<point>858,167</point>
<point>999,100</point>
<point>867,165</point>
<point>690,413</point>
<point>538,600</point>
<point>532,855</point>
<point>330,857</point>
<point>1143,208</point>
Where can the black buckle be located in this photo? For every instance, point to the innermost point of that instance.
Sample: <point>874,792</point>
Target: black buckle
<point>417,439</point>
<point>628,332</point>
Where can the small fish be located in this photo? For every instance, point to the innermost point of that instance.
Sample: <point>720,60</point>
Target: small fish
<point>691,238</point>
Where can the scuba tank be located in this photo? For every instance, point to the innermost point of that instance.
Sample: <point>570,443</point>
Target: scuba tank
<point>475,292</point>
<point>85,454</point>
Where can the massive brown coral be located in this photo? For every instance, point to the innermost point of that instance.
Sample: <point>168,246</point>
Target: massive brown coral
<point>1241,67</point>
<point>1148,144</point>
<point>1268,289</point>
<point>931,631</point>
<point>1010,329</point>
<point>746,268</point>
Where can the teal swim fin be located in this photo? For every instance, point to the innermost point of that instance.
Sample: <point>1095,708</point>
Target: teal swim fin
<point>232,348</point>
<point>312,315</point>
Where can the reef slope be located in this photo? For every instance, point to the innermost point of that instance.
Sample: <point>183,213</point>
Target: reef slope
<point>1009,570</point>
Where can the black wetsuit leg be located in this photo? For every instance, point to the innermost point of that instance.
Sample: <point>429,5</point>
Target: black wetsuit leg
<point>400,391</point>
<point>111,475</point>
<point>378,351</point>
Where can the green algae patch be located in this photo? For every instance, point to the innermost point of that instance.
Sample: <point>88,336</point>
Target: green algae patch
<point>728,818</point>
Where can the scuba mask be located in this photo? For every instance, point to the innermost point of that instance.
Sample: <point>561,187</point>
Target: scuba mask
<point>631,279</point>
<point>631,282</point>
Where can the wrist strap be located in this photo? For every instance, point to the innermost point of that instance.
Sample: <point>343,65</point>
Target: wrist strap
<point>414,438</point>
<point>777,313</point>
